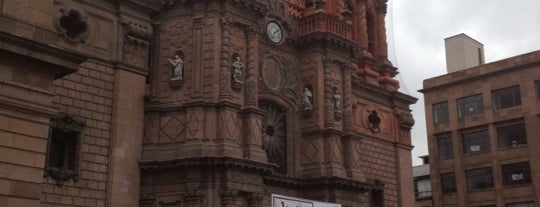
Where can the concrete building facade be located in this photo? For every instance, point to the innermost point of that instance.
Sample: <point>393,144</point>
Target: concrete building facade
<point>422,183</point>
<point>463,52</point>
<point>482,125</point>
<point>167,103</point>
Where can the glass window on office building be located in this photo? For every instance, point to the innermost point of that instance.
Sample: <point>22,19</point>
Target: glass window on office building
<point>470,105</point>
<point>444,146</point>
<point>537,84</point>
<point>475,142</point>
<point>440,112</point>
<point>478,179</point>
<point>516,173</point>
<point>506,97</point>
<point>512,135</point>
<point>448,183</point>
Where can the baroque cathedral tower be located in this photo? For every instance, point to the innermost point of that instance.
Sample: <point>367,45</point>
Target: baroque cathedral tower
<point>283,97</point>
<point>194,103</point>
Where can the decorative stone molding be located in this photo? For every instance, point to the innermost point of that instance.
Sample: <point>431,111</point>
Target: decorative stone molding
<point>67,129</point>
<point>406,121</point>
<point>72,25</point>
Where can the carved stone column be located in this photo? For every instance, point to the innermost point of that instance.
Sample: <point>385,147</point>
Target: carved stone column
<point>383,46</point>
<point>254,200</point>
<point>347,95</point>
<point>250,99</point>
<point>194,199</point>
<point>328,100</point>
<point>225,75</point>
<point>228,198</point>
<point>362,24</point>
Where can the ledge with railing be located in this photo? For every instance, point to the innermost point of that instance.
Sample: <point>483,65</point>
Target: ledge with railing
<point>324,22</point>
<point>423,195</point>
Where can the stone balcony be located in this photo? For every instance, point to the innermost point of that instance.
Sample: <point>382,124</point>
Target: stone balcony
<point>326,23</point>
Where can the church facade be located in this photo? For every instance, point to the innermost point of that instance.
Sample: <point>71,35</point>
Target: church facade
<point>200,103</point>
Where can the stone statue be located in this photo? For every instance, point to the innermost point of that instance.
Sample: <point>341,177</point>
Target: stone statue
<point>307,99</point>
<point>337,100</point>
<point>178,66</point>
<point>238,65</point>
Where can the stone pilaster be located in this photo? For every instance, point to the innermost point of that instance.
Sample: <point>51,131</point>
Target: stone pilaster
<point>328,100</point>
<point>254,200</point>
<point>362,24</point>
<point>347,97</point>
<point>250,99</point>
<point>225,75</point>
<point>194,199</point>
<point>383,46</point>
<point>228,198</point>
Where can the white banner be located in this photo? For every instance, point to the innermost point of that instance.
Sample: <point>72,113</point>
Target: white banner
<point>286,201</point>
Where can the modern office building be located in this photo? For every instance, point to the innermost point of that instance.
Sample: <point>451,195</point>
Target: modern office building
<point>188,103</point>
<point>422,183</point>
<point>483,129</point>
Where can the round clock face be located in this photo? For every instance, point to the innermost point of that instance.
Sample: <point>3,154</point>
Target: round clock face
<point>274,32</point>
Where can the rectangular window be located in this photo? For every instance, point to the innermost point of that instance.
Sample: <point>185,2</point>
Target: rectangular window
<point>479,179</point>
<point>522,204</point>
<point>511,136</point>
<point>448,183</point>
<point>422,189</point>
<point>475,142</point>
<point>537,84</point>
<point>63,148</point>
<point>440,112</point>
<point>470,105</point>
<point>516,173</point>
<point>444,146</point>
<point>506,97</point>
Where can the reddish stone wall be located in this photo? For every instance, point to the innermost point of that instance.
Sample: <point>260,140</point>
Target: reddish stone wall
<point>88,95</point>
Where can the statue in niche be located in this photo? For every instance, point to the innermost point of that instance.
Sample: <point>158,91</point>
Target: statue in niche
<point>238,66</point>
<point>307,103</point>
<point>177,67</point>
<point>337,100</point>
<point>375,121</point>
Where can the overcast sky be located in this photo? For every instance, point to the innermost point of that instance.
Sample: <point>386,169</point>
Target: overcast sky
<point>416,30</point>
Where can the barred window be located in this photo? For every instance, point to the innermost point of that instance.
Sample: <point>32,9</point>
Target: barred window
<point>444,146</point>
<point>511,136</point>
<point>481,178</point>
<point>516,173</point>
<point>63,148</point>
<point>470,105</point>
<point>506,97</point>
<point>440,112</point>
<point>474,142</point>
<point>448,183</point>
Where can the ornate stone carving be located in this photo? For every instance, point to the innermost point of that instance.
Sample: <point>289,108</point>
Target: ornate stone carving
<point>72,25</point>
<point>374,121</point>
<point>237,74</point>
<point>406,121</point>
<point>225,80</point>
<point>65,130</point>
<point>274,134</point>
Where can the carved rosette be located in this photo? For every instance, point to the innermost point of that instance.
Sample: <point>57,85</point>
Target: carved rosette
<point>72,25</point>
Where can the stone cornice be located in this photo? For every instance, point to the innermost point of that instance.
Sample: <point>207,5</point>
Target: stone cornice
<point>204,162</point>
<point>67,62</point>
<point>319,183</point>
